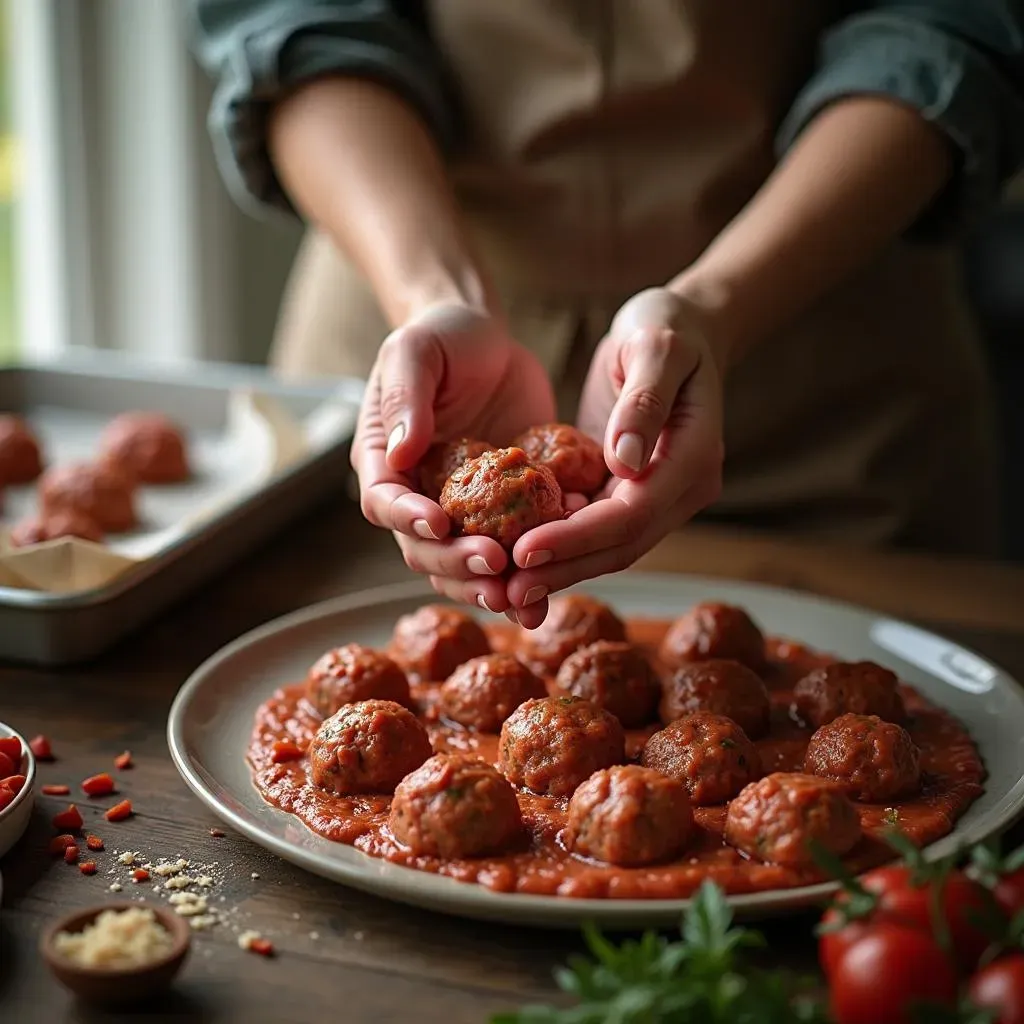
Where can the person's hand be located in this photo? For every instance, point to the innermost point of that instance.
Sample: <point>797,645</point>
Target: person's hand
<point>451,372</point>
<point>653,395</point>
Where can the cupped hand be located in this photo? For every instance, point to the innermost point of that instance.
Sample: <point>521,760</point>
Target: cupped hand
<point>453,371</point>
<point>653,394</point>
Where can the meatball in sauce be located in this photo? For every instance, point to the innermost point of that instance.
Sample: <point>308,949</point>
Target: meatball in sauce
<point>367,747</point>
<point>875,761</point>
<point>709,754</point>
<point>501,495</point>
<point>576,459</point>
<point>713,630</point>
<point>482,692</point>
<point>614,675</point>
<point>722,687</point>
<point>779,819</point>
<point>630,816</point>
<point>353,673</point>
<point>573,621</point>
<point>434,640</point>
<point>549,746</point>
<point>859,688</point>
<point>455,806</point>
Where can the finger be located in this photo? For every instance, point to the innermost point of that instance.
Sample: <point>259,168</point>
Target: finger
<point>484,592</point>
<point>655,365</point>
<point>601,524</point>
<point>411,365</point>
<point>461,558</point>
<point>387,500</point>
<point>557,576</point>
<point>574,502</point>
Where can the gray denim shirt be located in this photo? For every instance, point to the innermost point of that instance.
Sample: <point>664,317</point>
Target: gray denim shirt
<point>959,62</point>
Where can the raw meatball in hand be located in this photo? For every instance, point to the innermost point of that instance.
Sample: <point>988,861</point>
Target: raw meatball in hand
<point>481,693</point>
<point>859,688</point>
<point>722,687</point>
<point>713,630</point>
<point>455,806</point>
<point>613,675</point>
<point>778,818</point>
<point>443,459</point>
<point>353,673</point>
<point>550,746</point>
<point>873,760</point>
<point>367,747</point>
<point>21,460</point>
<point>709,754</point>
<point>573,621</point>
<point>630,816</point>
<point>576,459</point>
<point>434,640</point>
<point>501,495</point>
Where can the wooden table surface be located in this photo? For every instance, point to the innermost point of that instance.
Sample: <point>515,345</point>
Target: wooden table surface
<point>371,960</point>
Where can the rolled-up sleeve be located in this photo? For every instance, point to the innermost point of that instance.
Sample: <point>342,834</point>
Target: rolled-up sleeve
<point>961,65</point>
<point>257,50</point>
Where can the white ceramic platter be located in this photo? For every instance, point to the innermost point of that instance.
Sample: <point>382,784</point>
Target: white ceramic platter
<point>211,720</point>
<point>15,816</point>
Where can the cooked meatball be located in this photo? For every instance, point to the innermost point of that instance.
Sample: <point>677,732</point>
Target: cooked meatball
<point>98,491</point>
<point>630,816</point>
<point>712,630</point>
<point>455,806</point>
<point>146,446</point>
<point>21,460</point>
<point>859,688</point>
<point>549,746</point>
<point>722,687</point>
<point>367,747</point>
<point>777,818</point>
<point>709,754</point>
<point>353,673</point>
<point>52,527</point>
<point>613,675</point>
<point>575,458</point>
<point>501,494</point>
<point>573,621</point>
<point>443,459</point>
<point>874,760</point>
<point>434,640</point>
<point>482,692</point>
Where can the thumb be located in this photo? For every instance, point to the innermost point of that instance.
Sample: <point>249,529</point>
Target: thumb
<point>411,365</point>
<point>655,364</point>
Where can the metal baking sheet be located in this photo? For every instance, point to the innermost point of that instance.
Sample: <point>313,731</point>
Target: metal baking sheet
<point>83,392</point>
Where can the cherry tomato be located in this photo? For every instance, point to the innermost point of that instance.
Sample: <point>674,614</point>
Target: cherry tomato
<point>11,747</point>
<point>1009,892</point>
<point>888,972</point>
<point>7,766</point>
<point>1000,986</point>
<point>833,944</point>
<point>899,902</point>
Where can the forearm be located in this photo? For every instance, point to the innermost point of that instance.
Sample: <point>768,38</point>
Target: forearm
<point>858,176</point>
<point>358,162</point>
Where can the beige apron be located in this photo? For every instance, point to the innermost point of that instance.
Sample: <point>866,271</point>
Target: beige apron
<point>609,142</point>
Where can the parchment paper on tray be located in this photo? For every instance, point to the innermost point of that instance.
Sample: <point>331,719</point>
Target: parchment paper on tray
<point>261,438</point>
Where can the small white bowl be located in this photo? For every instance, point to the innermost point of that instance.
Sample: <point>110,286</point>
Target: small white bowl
<point>15,816</point>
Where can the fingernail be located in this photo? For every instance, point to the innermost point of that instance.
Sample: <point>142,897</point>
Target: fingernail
<point>535,558</point>
<point>629,450</point>
<point>512,617</point>
<point>534,594</point>
<point>478,566</point>
<point>422,528</point>
<point>395,437</point>
<point>482,601</point>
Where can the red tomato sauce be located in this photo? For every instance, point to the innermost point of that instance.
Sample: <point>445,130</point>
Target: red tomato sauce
<point>951,768</point>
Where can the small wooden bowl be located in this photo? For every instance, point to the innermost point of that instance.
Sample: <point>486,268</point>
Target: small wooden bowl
<point>109,986</point>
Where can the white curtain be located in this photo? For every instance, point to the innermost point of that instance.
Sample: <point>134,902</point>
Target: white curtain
<point>125,232</point>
